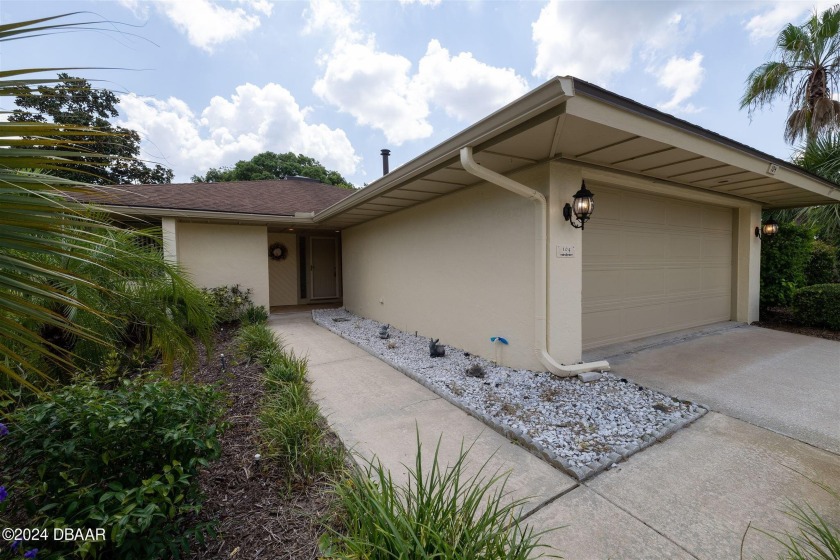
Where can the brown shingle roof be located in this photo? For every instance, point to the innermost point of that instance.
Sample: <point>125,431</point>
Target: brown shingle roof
<point>280,197</point>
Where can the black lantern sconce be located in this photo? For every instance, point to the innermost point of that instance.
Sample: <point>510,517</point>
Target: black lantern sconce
<point>770,227</point>
<point>583,203</point>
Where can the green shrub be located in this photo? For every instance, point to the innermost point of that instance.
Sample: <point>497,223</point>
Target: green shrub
<point>438,513</point>
<point>229,302</point>
<point>818,306</point>
<point>255,314</point>
<point>822,265</point>
<point>784,257</point>
<point>257,342</point>
<point>122,459</point>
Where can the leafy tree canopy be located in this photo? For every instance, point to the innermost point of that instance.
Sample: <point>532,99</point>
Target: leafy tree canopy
<point>269,165</point>
<point>74,102</point>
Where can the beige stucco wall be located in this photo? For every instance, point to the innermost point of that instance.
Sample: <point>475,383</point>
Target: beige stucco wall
<point>283,275</point>
<point>169,235</point>
<point>223,255</point>
<point>459,268</point>
<point>426,268</point>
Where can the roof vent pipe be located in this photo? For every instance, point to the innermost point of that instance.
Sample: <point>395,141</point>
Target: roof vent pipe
<point>385,153</point>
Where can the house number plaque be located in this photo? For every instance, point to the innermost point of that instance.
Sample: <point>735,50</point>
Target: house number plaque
<point>565,251</point>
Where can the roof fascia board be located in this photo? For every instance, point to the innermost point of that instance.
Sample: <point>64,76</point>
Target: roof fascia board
<point>549,95</point>
<point>205,215</point>
<point>617,112</point>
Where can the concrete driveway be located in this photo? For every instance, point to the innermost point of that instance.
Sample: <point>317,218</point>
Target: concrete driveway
<point>690,497</point>
<point>780,381</point>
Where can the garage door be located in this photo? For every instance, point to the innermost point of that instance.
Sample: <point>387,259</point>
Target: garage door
<point>653,264</point>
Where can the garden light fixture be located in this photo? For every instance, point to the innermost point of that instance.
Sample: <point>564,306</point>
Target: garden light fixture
<point>770,227</point>
<point>582,205</point>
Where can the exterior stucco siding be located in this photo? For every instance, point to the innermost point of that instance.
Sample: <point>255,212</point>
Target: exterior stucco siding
<point>224,255</point>
<point>459,268</point>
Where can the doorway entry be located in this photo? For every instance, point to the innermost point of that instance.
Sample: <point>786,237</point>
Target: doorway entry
<point>319,267</point>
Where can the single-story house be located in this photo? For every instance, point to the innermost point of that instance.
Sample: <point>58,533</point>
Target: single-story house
<point>470,240</point>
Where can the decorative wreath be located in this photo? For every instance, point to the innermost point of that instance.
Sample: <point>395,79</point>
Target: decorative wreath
<point>278,251</point>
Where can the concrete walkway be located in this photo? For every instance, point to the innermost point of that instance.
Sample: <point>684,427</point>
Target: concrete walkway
<point>689,497</point>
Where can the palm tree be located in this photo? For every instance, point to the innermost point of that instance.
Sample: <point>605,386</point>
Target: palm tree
<point>821,157</point>
<point>59,261</point>
<point>807,71</point>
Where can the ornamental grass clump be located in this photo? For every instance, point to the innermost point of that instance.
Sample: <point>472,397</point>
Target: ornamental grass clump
<point>817,535</point>
<point>439,513</point>
<point>292,432</point>
<point>258,343</point>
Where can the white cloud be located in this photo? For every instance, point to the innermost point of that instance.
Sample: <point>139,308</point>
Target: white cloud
<point>423,2</point>
<point>683,76</point>
<point>464,87</point>
<point>208,23</point>
<point>338,17</point>
<point>595,41</point>
<point>381,90</point>
<point>770,23</point>
<point>375,88</point>
<point>250,121</point>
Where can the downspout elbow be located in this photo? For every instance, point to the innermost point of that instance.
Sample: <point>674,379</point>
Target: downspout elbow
<point>541,288</point>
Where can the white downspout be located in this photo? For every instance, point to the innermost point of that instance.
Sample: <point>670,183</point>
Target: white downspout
<point>541,265</point>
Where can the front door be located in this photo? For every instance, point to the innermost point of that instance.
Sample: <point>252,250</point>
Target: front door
<point>324,267</point>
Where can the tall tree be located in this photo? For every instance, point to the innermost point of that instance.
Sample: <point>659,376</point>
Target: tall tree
<point>269,165</point>
<point>806,71</point>
<point>74,102</point>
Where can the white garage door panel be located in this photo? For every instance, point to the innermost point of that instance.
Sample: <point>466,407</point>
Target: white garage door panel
<point>652,264</point>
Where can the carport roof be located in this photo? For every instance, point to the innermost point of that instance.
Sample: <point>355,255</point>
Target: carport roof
<point>567,119</point>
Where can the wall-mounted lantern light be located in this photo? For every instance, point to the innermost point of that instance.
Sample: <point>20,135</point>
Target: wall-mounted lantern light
<point>770,227</point>
<point>582,205</point>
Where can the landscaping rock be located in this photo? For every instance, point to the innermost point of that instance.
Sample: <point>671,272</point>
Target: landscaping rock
<point>582,427</point>
<point>590,376</point>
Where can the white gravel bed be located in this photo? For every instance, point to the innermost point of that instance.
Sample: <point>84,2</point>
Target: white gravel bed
<point>580,427</point>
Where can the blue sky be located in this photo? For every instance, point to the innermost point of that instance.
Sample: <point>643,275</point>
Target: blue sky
<point>210,82</point>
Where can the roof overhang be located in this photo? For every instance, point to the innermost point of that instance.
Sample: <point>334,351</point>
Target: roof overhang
<point>569,120</point>
<point>300,219</point>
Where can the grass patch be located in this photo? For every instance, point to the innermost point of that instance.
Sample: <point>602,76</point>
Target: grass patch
<point>440,513</point>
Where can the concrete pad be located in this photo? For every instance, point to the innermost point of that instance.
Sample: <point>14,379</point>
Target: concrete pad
<point>704,485</point>
<point>592,528</point>
<point>376,411</point>
<point>781,381</point>
<point>308,339</point>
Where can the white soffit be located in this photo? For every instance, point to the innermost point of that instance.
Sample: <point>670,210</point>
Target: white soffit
<point>575,121</point>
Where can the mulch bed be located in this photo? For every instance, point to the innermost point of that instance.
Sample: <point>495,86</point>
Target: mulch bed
<point>258,514</point>
<point>781,319</point>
